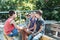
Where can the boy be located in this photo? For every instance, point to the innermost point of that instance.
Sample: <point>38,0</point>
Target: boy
<point>30,28</point>
<point>27,19</point>
<point>10,28</point>
<point>39,27</point>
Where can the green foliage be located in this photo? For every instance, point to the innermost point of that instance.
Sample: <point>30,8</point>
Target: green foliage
<point>51,8</point>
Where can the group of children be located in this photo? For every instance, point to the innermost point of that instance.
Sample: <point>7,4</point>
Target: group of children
<point>33,31</point>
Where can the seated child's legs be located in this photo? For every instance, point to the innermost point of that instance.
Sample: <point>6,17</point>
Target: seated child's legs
<point>30,37</point>
<point>37,36</point>
<point>13,33</point>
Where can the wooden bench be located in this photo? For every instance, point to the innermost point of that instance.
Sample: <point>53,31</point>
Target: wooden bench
<point>7,37</point>
<point>44,37</point>
<point>56,28</point>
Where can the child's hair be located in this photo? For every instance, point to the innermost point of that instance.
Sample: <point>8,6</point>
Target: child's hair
<point>11,13</point>
<point>39,12</point>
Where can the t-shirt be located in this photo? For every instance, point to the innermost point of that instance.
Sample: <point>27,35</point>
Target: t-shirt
<point>32,23</point>
<point>38,24</point>
<point>8,27</point>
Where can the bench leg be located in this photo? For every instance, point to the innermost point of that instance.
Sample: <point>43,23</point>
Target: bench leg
<point>7,38</point>
<point>56,34</point>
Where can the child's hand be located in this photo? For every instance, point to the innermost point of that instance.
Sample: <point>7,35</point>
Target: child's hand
<point>33,34</point>
<point>21,27</point>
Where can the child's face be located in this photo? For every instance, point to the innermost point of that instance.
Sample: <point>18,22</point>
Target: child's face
<point>37,15</point>
<point>32,15</point>
<point>28,16</point>
<point>14,15</point>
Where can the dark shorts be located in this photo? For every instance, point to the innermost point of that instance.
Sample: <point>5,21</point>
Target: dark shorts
<point>13,33</point>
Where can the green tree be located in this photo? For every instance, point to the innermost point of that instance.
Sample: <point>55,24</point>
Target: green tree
<point>51,8</point>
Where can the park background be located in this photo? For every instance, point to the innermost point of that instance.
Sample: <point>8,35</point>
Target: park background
<point>50,8</point>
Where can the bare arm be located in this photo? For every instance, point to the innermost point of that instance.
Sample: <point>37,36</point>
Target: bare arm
<point>31,28</point>
<point>38,31</point>
<point>16,26</point>
<point>34,27</point>
<point>41,27</point>
<point>28,25</point>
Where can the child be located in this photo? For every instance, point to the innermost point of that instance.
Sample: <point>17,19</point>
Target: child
<point>30,27</point>
<point>10,28</point>
<point>32,22</point>
<point>39,27</point>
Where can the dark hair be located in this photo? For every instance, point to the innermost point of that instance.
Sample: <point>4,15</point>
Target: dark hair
<point>38,12</point>
<point>11,13</point>
<point>27,15</point>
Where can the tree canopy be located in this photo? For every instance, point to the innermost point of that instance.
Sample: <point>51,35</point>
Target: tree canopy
<point>51,8</point>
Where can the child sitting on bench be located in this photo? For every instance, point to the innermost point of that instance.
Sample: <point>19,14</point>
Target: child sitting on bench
<point>39,27</point>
